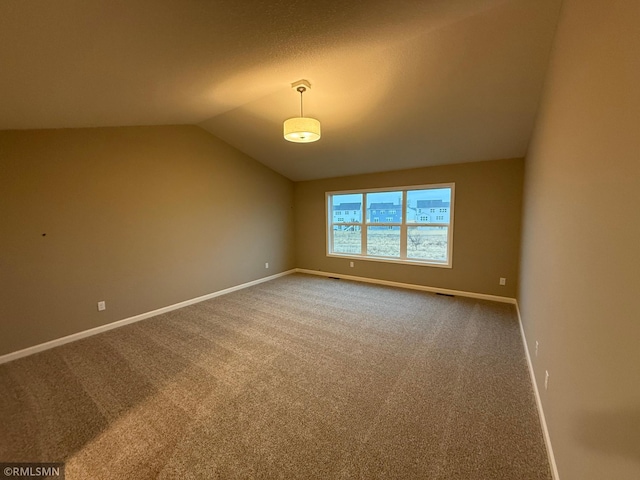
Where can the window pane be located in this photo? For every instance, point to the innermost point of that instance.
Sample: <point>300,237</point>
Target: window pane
<point>383,241</point>
<point>402,224</point>
<point>429,206</point>
<point>347,208</point>
<point>383,205</point>
<point>427,243</point>
<point>347,239</point>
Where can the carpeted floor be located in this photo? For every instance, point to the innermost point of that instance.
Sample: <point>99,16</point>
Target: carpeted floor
<point>301,377</point>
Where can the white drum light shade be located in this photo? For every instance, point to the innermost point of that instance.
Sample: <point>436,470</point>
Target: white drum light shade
<point>302,129</point>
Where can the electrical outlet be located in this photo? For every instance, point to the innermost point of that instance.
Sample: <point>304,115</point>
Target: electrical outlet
<point>102,306</point>
<point>536,348</point>
<point>546,379</point>
<point>503,281</point>
<point>351,264</point>
<point>266,265</point>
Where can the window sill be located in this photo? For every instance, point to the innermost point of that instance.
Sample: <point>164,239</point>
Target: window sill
<point>392,260</point>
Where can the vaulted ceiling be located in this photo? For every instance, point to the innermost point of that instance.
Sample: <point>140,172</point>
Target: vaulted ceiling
<point>396,84</point>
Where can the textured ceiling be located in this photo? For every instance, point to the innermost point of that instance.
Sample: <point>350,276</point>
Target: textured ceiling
<point>395,84</point>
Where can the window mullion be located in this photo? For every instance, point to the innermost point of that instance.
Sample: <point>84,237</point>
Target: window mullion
<point>403,227</point>
<point>363,230</point>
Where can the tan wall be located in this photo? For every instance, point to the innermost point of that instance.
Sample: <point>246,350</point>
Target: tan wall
<point>486,234</point>
<point>141,217</point>
<point>581,242</point>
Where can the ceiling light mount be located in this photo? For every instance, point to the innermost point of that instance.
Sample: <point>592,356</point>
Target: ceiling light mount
<point>301,83</point>
<point>301,129</point>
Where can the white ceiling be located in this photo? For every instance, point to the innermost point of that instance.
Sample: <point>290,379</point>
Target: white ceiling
<point>396,84</point>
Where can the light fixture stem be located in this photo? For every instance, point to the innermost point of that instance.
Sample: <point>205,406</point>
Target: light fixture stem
<point>301,90</point>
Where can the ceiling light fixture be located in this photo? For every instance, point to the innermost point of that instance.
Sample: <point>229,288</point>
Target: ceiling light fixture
<point>301,129</point>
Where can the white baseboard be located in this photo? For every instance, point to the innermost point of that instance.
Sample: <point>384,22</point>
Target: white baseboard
<point>411,286</point>
<point>120,323</point>
<point>543,421</point>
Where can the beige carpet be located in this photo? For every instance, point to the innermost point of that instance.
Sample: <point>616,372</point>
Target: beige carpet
<point>299,378</point>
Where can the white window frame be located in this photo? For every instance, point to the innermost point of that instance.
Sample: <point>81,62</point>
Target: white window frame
<point>364,223</point>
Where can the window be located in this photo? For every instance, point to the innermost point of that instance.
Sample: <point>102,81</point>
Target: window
<point>403,235</point>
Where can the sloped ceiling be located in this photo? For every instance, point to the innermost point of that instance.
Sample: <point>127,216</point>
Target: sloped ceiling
<point>395,84</point>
